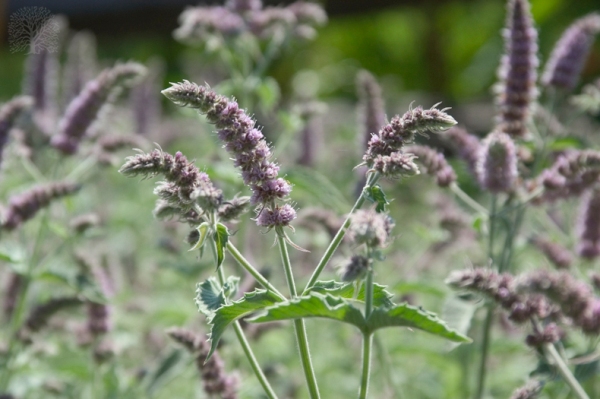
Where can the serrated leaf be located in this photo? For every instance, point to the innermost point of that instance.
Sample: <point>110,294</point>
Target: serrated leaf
<point>381,297</point>
<point>209,296</point>
<point>203,230</point>
<point>230,288</point>
<point>405,315</point>
<point>376,195</point>
<point>227,314</point>
<point>314,305</point>
<point>221,237</point>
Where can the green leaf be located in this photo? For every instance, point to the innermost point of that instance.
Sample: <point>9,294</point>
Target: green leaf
<point>221,237</point>
<point>586,370</point>
<point>209,296</point>
<point>314,305</point>
<point>158,377</point>
<point>458,313</point>
<point>227,314</point>
<point>376,195</point>
<point>203,230</point>
<point>405,315</point>
<point>319,187</point>
<point>381,297</point>
<point>566,143</point>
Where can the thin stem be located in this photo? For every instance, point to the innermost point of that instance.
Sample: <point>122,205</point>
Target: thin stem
<point>485,349</point>
<point>17,316</point>
<point>335,243</point>
<point>492,229</point>
<point>299,325</point>
<point>467,199</point>
<point>551,353</point>
<point>366,365</point>
<point>246,345</point>
<point>250,269</point>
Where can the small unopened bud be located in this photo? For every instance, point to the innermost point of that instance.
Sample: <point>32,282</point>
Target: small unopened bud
<point>279,216</point>
<point>354,268</point>
<point>560,257</point>
<point>397,164</point>
<point>531,390</point>
<point>231,210</point>
<point>497,163</point>
<point>371,228</point>
<point>80,224</point>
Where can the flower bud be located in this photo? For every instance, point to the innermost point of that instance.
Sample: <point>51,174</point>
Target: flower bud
<point>497,163</point>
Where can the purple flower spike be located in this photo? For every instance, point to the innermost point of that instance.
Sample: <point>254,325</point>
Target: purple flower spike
<point>85,108</point>
<point>371,107</point>
<point>24,206</point>
<point>435,163</point>
<point>517,72</point>
<point>570,53</point>
<point>497,163</point>
<point>247,146</point>
<point>589,225</point>
<point>9,113</point>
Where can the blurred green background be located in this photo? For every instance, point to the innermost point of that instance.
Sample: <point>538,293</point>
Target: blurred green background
<point>447,48</point>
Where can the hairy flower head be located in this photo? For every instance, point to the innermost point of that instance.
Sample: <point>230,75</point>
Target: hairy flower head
<point>370,228</point>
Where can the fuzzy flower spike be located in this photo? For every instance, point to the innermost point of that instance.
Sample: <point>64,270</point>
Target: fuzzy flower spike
<point>247,146</point>
<point>570,53</point>
<point>384,153</point>
<point>517,73</point>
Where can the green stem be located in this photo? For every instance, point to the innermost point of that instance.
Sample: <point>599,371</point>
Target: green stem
<point>299,325</point>
<point>367,336</point>
<point>250,269</point>
<point>485,349</point>
<point>551,353</point>
<point>467,199</point>
<point>335,243</point>
<point>366,365</point>
<point>246,346</point>
<point>17,316</point>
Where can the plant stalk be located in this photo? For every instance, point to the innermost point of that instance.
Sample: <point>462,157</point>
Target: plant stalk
<point>299,325</point>
<point>243,262</point>
<point>244,342</point>
<point>563,369</point>
<point>335,243</point>
<point>366,365</point>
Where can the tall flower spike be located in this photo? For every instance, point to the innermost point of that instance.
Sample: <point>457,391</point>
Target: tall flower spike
<point>497,163</point>
<point>516,90</point>
<point>589,225</point>
<point>371,108</point>
<point>214,378</point>
<point>570,53</point>
<point>435,163</point>
<point>9,113</point>
<point>24,206</point>
<point>85,108</point>
<point>247,146</point>
<point>574,297</point>
<point>401,131</point>
<point>80,66</point>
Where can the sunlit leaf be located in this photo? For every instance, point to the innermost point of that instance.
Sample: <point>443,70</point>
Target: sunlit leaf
<point>381,297</point>
<point>227,314</point>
